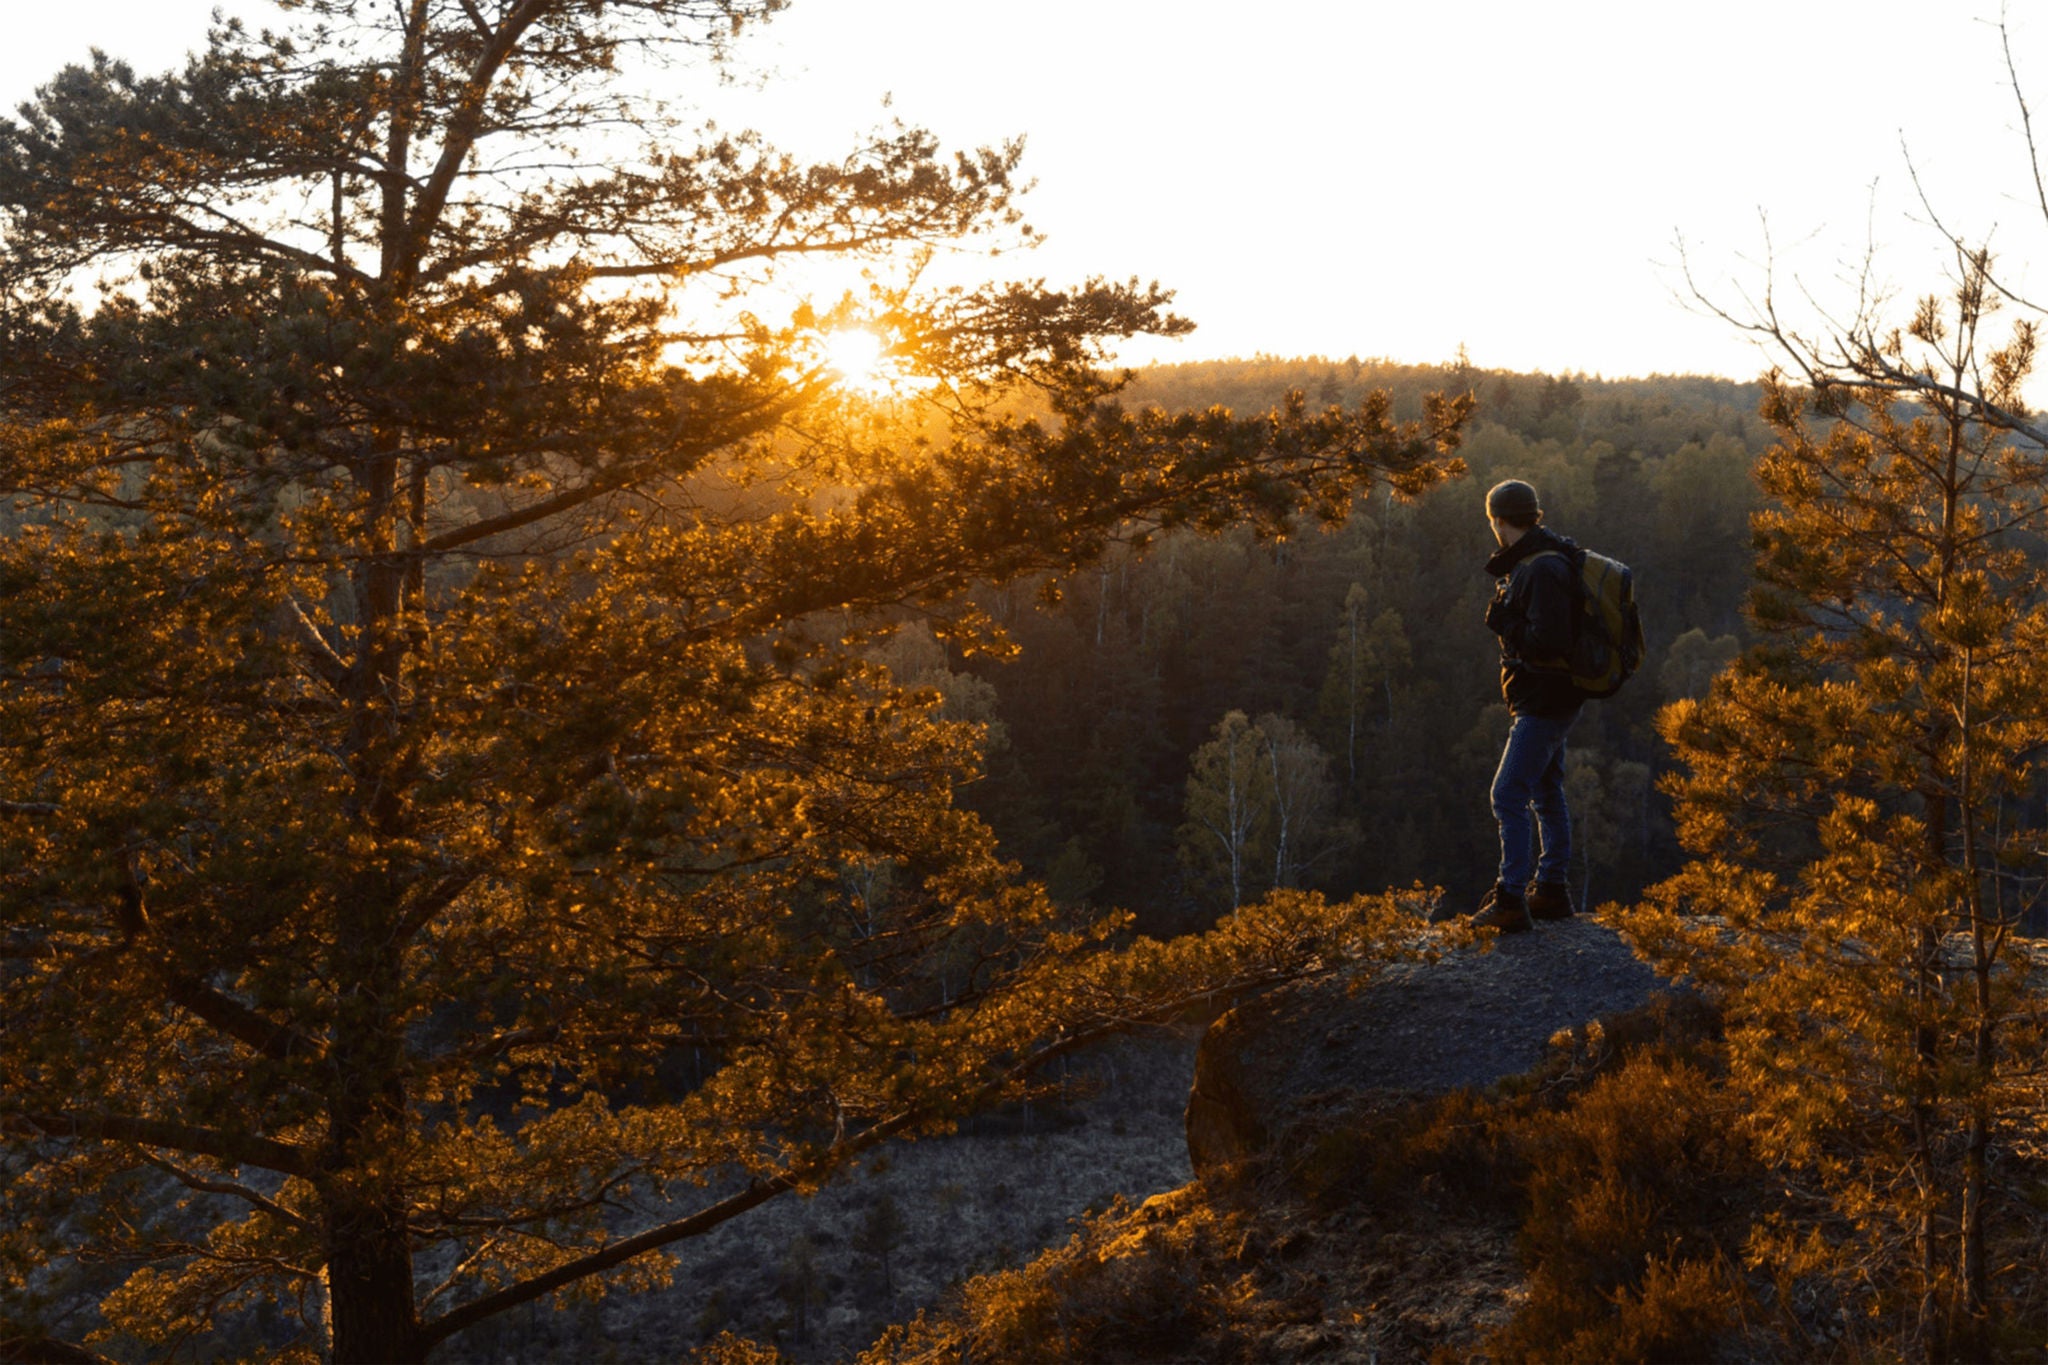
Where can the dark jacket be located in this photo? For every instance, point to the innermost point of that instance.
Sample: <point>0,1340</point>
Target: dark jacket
<point>1533,606</point>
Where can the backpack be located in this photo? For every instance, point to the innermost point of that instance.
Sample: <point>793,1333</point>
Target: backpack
<point>1607,634</point>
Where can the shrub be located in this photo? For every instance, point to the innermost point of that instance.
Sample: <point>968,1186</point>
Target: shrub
<point>1630,1223</point>
<point>1128,1286</point>
<point>728,1349</point>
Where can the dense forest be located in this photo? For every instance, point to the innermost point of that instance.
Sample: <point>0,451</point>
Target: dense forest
<point>1359,650</point>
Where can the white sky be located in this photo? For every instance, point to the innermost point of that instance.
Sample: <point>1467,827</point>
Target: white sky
<point>1394,179</point>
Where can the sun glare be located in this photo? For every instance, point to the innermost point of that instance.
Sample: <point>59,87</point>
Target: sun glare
<point>855,357</point>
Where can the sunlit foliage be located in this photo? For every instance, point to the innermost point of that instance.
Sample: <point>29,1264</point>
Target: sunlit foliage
<point>1862,809</point>
<point>444,800</point>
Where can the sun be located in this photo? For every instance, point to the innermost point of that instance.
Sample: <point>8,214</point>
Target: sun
<point>857,358</point>
<point>861,361</point>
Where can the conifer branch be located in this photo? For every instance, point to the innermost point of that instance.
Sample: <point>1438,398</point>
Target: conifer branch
<point>244,1149</point>
<point>465,126</point>
<point>330,666</point>
<point>433,901</point>
<point>191,1180</point>
<point>1062,1040</point>
<point>618,478</point>
<point>26,1350</point>
<point>276,1041</point>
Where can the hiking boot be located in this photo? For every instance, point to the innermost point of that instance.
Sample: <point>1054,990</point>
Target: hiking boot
<point>1503,909</point>
<point>1551,900</point>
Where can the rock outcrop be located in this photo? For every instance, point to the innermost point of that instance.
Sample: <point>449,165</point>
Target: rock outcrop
<point>1467,1019</point>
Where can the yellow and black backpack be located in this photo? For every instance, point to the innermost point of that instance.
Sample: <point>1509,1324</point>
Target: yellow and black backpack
<point>1607,631</point>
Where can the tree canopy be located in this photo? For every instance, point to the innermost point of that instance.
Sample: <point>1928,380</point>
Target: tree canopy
<point>440,778</point>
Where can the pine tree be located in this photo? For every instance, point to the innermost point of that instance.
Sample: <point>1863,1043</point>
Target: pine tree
<point>880,1230</point>
<point>433,699</point>
<point>1861,808</point>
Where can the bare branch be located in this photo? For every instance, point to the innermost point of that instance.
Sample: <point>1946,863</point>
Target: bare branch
<point>331,667</point>
<point>2012,75</point>
<point>232,1188</point>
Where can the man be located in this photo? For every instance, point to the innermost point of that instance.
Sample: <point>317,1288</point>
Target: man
<point>1534,602</point>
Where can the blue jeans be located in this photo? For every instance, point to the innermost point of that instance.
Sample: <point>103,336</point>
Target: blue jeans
<point>1531,777</point>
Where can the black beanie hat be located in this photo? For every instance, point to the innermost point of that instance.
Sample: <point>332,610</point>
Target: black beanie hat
<point>1512,498</point>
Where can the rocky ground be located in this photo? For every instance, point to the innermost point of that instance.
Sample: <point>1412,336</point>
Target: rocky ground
<point>1278,1251</point>
<point>1370,1287</point>
<point>1466,1019</point>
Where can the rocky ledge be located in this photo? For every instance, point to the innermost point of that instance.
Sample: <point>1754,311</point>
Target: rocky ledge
<point>1469,1018</point>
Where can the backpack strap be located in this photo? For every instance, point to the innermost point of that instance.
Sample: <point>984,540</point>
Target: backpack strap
<point>1575,563</point>
<point>1575,560</point>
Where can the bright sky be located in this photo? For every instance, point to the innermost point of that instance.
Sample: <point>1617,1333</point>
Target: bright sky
<point>1396,179</point>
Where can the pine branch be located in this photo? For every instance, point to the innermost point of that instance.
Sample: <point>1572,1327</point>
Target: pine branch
<point>465,126</point>
<point>234,1189</point>
<point>235,1148</point>
<point>847,1148</point>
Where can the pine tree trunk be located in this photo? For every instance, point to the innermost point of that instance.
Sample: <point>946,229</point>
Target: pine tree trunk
<point>1975,1296</point>
<point>369,1250</point>
<point>368,1243</point>
<point>1982,1054</point>
<point>369,1272</point>
<point>1976,1153</point>
<point>1923,1161</point>
<point>1926,1115</point>
<point>1351,698</point>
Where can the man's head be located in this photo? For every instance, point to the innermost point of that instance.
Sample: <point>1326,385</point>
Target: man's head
<point>1512,507</point>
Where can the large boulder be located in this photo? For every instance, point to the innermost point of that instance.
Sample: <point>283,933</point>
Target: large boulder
<point>1467,1019</point>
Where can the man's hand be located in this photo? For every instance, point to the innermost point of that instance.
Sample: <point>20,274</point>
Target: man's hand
<point>1497,615</point>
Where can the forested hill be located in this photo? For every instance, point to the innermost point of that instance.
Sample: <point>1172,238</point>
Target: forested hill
<point>1357,657</point>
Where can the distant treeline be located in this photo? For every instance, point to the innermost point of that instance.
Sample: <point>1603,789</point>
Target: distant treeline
<point>1367,641</point>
